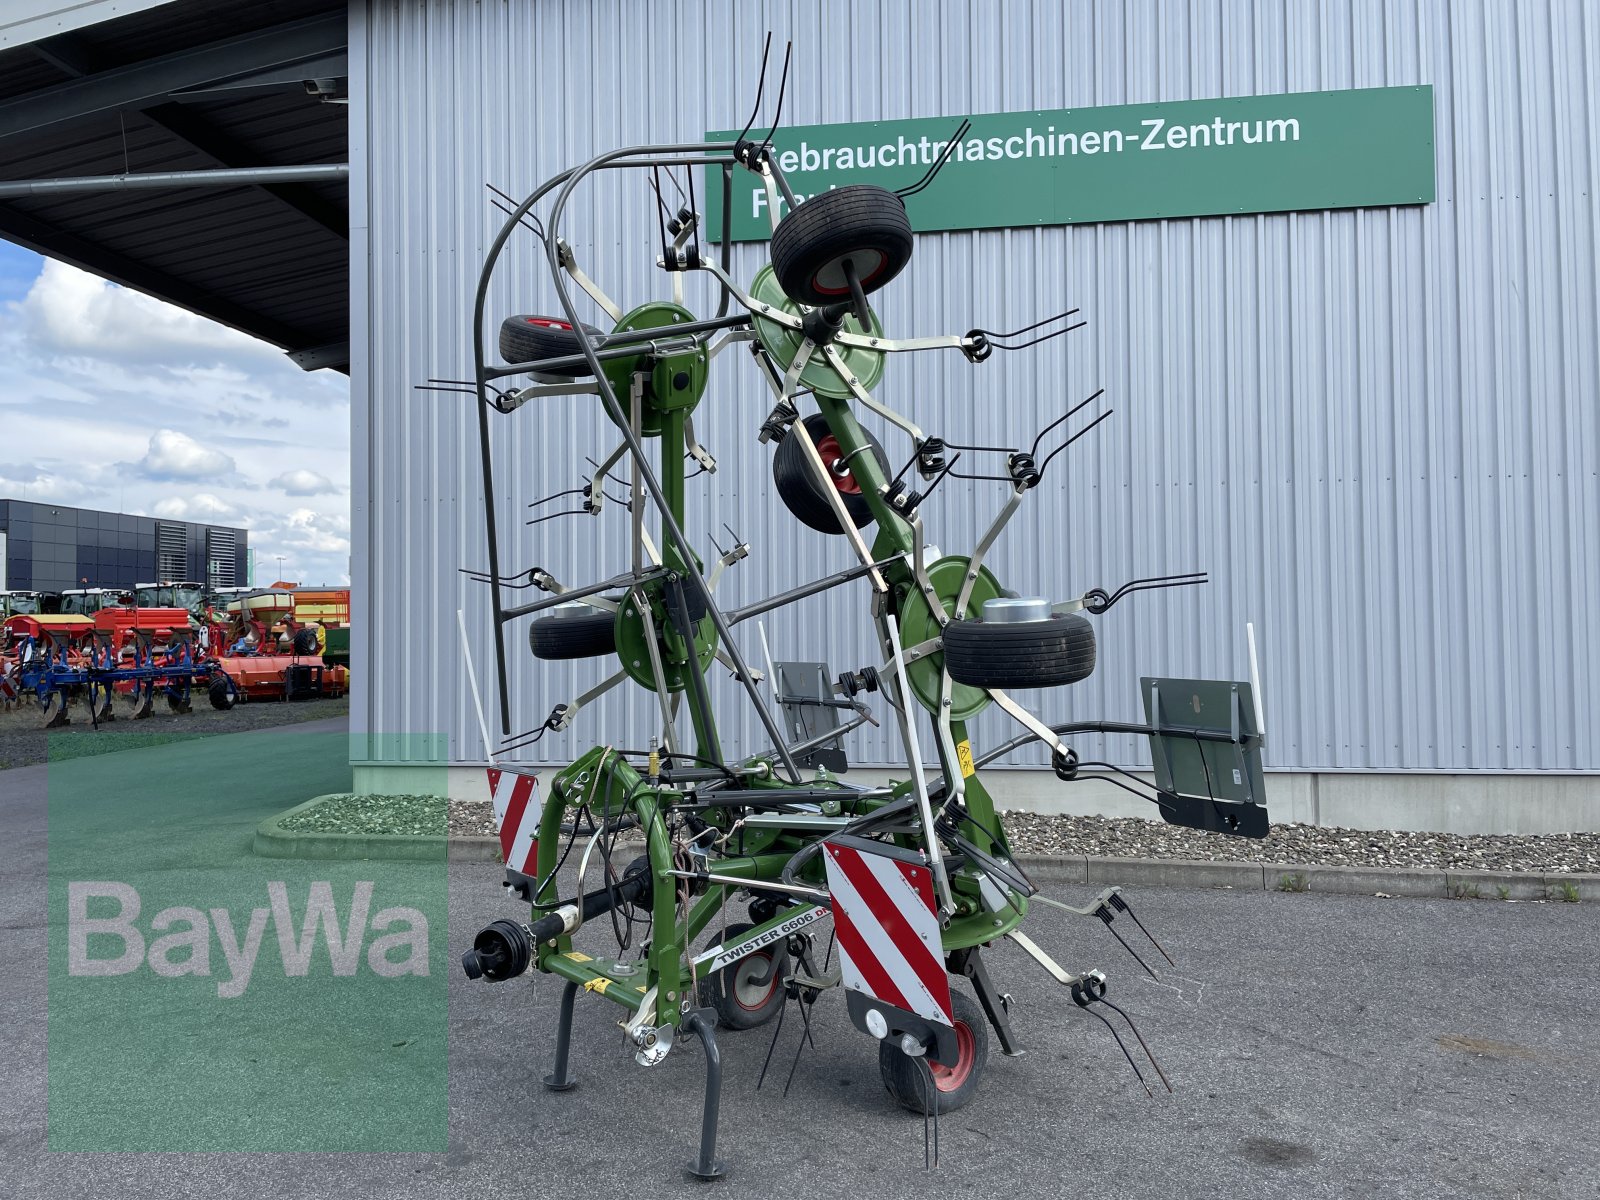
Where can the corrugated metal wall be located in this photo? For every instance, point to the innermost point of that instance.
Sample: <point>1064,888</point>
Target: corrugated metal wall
<point>1377,429</point>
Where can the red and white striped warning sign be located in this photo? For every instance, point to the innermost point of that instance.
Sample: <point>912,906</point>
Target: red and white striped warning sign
<point>889,942</point>
<point>516,816</point>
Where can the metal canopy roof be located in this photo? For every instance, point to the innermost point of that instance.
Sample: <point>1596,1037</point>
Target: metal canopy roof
<point>185,86</point>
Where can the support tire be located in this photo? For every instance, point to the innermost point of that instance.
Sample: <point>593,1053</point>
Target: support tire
<point>1021,655</point>
<point>526,338</point>
<point>800,489</point>
<point>918,1082</point>
<point>861,222</point>
<point>742,999</point>
<point>579,635</point>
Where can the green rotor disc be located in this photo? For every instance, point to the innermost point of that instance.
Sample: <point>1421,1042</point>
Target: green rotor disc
<point>676,382</point>
<point>917,624</point>
<point>632,630</point>
<point>783,343</point>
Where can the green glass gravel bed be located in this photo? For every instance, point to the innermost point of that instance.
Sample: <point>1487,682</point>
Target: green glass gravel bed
<point>372,814</point>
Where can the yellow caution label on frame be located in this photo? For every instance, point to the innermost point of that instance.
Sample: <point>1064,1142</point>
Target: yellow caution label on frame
<point>964,757</point>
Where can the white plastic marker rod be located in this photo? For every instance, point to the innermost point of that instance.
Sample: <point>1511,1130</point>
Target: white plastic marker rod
<point>908,732</point>
<point>1255,678</point>
<point>472,680</point>
<point>766,652</point>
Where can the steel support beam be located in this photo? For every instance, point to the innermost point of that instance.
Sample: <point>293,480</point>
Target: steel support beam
<point>221,177</point>
<point>71,56</point>
<point>144,84</point>
<point>223,149</point>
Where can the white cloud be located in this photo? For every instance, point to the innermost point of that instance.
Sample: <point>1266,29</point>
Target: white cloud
<point>304,482</point>
<point>202,506</point>
<point>71,312</point>
<point>21,484</point>
<point>174,455</point>
<point>89,371</point>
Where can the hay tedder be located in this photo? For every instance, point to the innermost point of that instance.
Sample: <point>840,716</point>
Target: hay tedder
<point>888,894</point>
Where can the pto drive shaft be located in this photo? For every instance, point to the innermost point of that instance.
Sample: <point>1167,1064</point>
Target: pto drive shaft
<point>503,949</point>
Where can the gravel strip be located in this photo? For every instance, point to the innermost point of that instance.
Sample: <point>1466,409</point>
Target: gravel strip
<point>1302,845</point>
<point>1306,845</point>
<point>371,814</point>
<point>472,818</point>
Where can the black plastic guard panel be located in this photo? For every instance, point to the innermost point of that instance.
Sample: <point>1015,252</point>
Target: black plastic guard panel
<point>1214,816</point>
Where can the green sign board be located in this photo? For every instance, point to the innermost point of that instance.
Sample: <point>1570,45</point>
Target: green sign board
<point>1187,158</point>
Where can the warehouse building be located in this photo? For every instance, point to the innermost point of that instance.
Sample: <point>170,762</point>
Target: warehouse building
<point>50,547</point>
<point>1336,261</point>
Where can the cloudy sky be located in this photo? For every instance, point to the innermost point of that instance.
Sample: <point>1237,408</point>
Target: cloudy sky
<point>112,400</point>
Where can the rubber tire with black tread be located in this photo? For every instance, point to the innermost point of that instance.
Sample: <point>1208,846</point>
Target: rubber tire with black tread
<point>717,990</point>
<point>222,694</point>
<point>582,635</point>
<point>523,341</point>
<point>853,221</point>
<point>800,490</point>
<point>1021,655</point>
<point>305,641</point>
<point>910,1080</point>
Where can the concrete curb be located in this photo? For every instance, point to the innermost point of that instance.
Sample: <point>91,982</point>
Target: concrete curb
<point>273,841</point>
<point>1289,877</point>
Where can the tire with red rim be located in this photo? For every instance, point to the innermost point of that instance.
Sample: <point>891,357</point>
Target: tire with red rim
<point>526,339</point>
<point>922,1085</point>
<point>748,992</point>
<point>802,492</point>
<point>863,223</point>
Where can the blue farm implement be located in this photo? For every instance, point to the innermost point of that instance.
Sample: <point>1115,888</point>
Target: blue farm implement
<point>136,654</point>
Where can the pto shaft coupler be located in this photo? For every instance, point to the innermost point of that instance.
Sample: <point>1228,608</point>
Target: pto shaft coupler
<point>503,949</point>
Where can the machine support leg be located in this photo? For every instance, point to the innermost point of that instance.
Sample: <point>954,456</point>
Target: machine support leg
<point>707,1166</point>
<point>969,962</point>
<point>559,1080</point>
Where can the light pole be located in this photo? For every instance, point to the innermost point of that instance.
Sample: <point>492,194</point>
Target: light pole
<point>280,568</point>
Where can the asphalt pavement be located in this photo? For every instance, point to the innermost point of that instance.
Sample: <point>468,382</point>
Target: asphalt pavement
<point>1319,1046</point>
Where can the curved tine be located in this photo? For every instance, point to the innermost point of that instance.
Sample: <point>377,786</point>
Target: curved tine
<point>1123,1048</point>
<point>1035,341</point>
<point>773,1044</point>
<point>1156,583</point>
<point>1078,407</point>
<point>805,1036</point>
<point>1061,316</point>
<point>571,512</point>
<point>761,89</point>
<point>1140,1036</point>
<point>1047,460</point>
<point>783,86</point>
<point>938,166</point>
<point>937,479</point>
<point>577,491</point>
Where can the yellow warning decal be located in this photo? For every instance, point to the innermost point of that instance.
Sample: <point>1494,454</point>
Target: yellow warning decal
<point>597,985</point>
<point>964,757</point>
<point>577,956</point>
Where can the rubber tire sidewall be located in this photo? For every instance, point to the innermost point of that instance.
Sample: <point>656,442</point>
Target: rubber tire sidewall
<point>717,990</point>
<point>830,226</point>
<point>522,342</point>
<point>910,1081</point>
<point>582,635</point>
<point>800,490</point>
<point>1022,655</point>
